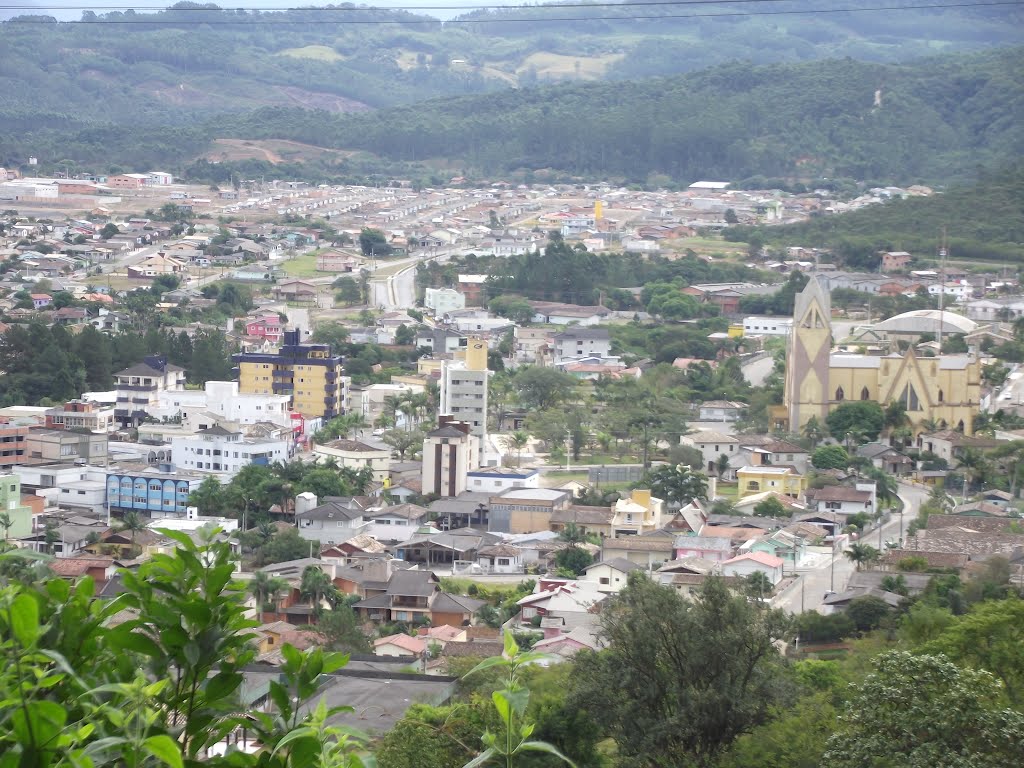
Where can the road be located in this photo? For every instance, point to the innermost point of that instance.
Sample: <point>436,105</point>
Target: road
<point>808,591</point>
<point>756,372</point>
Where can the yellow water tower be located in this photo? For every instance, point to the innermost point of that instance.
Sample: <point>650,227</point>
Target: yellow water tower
<point>598,210</point>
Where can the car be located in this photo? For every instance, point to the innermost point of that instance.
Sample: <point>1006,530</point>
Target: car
<point>378,432</point>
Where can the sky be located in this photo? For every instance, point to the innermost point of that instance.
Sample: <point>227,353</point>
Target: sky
<point>66,10</point>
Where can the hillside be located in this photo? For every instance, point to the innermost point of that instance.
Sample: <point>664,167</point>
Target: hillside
<point>177,67</point>
<point>984,222</point>
<point>932,120</point>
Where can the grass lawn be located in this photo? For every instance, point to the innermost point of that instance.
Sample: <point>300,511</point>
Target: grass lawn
<point>315,52</point>
<point>729,491</point>
<point>302,266</point>
<point>391,269</point>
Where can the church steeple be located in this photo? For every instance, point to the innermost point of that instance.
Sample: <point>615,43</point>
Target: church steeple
<point>807,357</point>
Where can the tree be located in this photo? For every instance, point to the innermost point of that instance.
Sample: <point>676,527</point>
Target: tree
<point>770,507</point>
<point>830,457</point>
<point>339,630</point>
<point>6,523</point>
<point>133,523</point>
<point>543,388</point>
<point>573,560</point>
<point>676,484</point>
<point>861,553</point>
<point>867,612</point>
<point>404,335</point>
<point>316,586</point>
<point>286,545</point>
<point>757,584</point>
<point>990,637</point>
<point>863,418</point>
<point>680,680</point>
<point>265,588</point>
<point>373,242</point>
<point>208,498</point>
<point>403,441</point>
<point>515,308</point>
<point>517,441</point>
<point>903,715</point>
<point>109,230</point>
<point>331,333</point>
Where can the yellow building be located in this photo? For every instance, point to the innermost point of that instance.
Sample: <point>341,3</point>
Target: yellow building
<point>945,389</point>
<point>784,480</point>
<point>309,373</point>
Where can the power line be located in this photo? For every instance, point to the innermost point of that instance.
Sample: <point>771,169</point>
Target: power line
<point>364,9</point>
<point>290,22</point>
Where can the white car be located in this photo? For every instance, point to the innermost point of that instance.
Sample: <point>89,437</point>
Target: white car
<point>378,432</point>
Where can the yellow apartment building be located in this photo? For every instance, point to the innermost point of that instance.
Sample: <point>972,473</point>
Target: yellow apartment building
<point>308,373</point>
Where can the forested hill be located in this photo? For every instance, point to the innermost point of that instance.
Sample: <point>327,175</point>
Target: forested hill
<point>984,221</point>
<point>932,120</point>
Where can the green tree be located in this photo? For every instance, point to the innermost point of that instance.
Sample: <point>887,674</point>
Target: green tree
<point>373,242</point>
<point>901,715</point>
<point>770,507</point>
<point>679,681</point>
<point>331,333</point>
<point>543,388</point>
<point>676,484</point>
<point>316,586</point>
<point>338,630</point>
<point>757,585</point>
<point>208,498</point>
<point>516,442</point>
<point>573,560</point>
<point>830,457</point>
<point>861,417</point>
<point>515,308</point>
<point>867,612</point>
<point>286,545</point>
<point>133,523</point>
<point>265,588</point>
<point>404,442</point>
<point>861,554</point>
<point>990,637</point>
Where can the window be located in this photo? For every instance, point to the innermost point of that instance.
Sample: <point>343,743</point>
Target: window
<point>604,580</point>
<point>840,395</point>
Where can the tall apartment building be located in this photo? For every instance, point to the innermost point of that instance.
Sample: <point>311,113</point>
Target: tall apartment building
<point>140,388</point>
<point>464,389</point>
<point>12,445</point>
<point>450,453</point>
<point>308,373</point>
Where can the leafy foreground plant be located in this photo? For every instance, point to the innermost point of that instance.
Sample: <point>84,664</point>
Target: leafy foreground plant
<point>161,688</point>
<point>511,703</point>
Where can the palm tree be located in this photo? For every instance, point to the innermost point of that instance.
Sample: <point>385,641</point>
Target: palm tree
<point>316,586</point>
<point>265,588</point>
<point>929,425</point>
<point>885,487</point>
<point>6,523</point>
<point>517,441</point>
<point>862,553</point>
<point>813,431</point>
<point>133,523</point>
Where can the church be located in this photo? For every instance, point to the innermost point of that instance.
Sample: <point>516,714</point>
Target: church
<point>945,389</point>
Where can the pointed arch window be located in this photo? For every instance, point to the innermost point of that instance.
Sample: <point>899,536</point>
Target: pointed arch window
<point>910,399</point>
<point>864,394</point>
<point>942,397</point>
<point>840,395</point>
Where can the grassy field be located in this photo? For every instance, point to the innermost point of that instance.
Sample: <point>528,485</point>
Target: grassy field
<point>271,150</point>
<point>302,266</point>
<point>559,66</point>
<point>315,52</point>
<point>706,246</point>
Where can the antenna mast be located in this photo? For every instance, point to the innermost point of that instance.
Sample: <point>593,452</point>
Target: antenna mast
<point>942,284</point>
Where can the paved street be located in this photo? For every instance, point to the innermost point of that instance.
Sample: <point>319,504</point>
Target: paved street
<point>808,591</point>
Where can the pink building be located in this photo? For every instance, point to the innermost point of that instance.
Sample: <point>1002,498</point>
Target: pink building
<point>266,326</point>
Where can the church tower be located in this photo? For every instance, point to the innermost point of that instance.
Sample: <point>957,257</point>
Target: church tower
<point>807,357</point>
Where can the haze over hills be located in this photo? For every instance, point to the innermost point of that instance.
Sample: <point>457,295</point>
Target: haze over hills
<point>158,88</point>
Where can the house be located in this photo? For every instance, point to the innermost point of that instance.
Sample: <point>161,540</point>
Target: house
<point>559,606</point>
<point>40,300</point>
<point>413,596</point>
<point>444,300</point>
<point>472,287</point>
<point>886,458</point>
<point>687,575</point>
<point>640,513</point>
<point>267,325</point>
<point>980,509</point>
<point>611,575</point>
<point>557,313</point>
<point>841,601</point>
<point>784,480</point>
<point>400,645</point>
<point>500,479</point>
<point>500,558</point>
<point>297,291</point>
<point>432,547</point>
<point>710,547</point>
<point>353,454</point>
<point>395,523</point>
<point>525,510</point>
<point>157,265</point>
<point>745,506</point>
<point>649,550</point>
<point>843,500</point>
<point>785,545</point>
<point>333,521</point>
<point>721,410</point>
<point>894,261</point>
<point>596,521</point>
<point>578,343</point>
<point>754,562</point>
<point>712,446</point>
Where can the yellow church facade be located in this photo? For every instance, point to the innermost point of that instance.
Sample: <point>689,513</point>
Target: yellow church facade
<point>945,389</point>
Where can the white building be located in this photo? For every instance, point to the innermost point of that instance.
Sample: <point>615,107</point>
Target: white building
<point>500,479</point>
<point>352,454</point>
<point>758,325</point>
<point>711,444</point>
<point>225,452</point>
<point>450,453</point>
<point>141,388</point>
<point>579,343</point>
<point>464,389</point>
<point>443,300</point>
<point>223,399</point>
<point>754,562</point>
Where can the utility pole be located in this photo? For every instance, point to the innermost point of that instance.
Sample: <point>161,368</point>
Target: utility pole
<point>942,285</point>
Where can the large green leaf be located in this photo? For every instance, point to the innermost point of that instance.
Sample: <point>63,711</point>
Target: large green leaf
<point>165,749</point>
<point>25,619</point>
